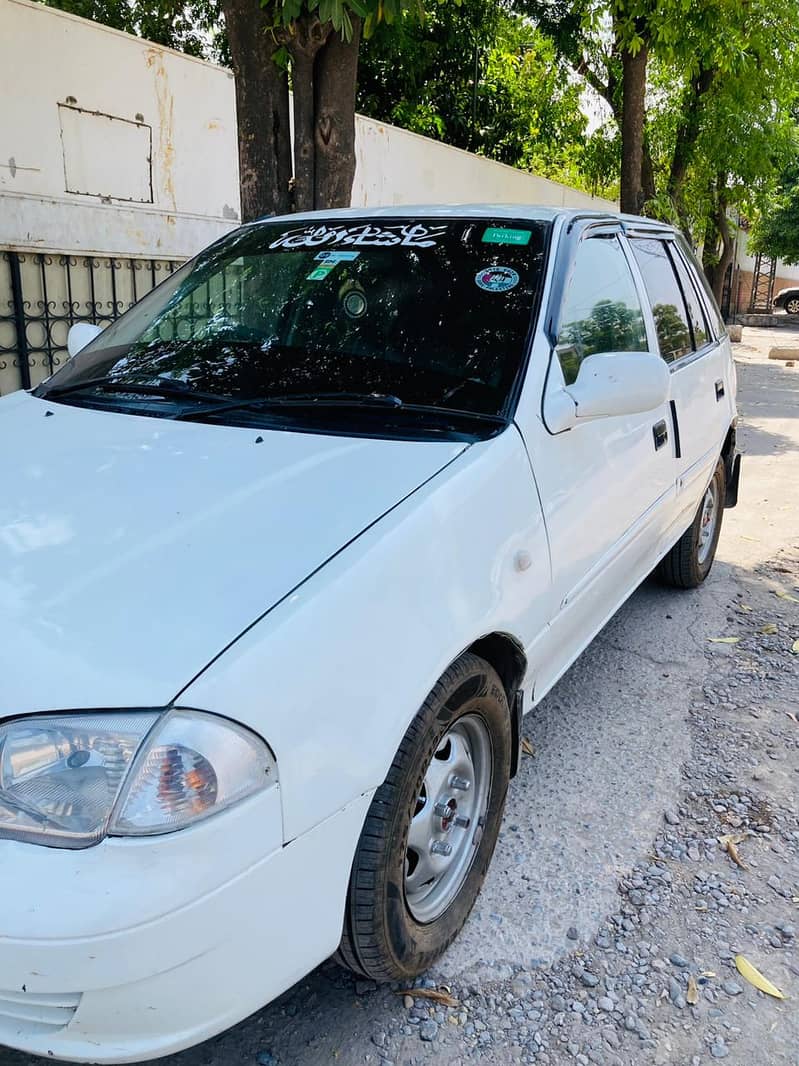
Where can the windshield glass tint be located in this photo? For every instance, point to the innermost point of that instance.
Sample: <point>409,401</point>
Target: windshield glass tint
<point>434,311</point>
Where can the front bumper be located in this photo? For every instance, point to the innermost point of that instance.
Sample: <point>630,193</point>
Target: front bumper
<point>139,948</point>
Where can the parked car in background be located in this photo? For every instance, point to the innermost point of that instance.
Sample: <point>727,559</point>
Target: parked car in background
<point>286,552</point>
<point>788,299</point>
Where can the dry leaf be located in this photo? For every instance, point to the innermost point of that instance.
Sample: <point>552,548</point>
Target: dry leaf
<point>430,993</point>
<point>792,716</point>
<point>795,647</point>
<point>723,640</point>
<point>756,978</point>
<point>785,595</point>
<point>732,851</point>
<point>527,747</point>
<point>692,995</point>
<point>768,629</point>
<point>707,974</point>
<point>744,607</point>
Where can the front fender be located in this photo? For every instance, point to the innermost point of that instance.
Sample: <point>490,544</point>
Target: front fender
<point>333,674</point>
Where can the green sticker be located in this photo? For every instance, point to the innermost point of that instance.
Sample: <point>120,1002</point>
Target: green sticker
<point>500,235</point>
<point>321,272</point>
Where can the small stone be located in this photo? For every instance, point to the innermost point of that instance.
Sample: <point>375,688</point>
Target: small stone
<point>671,818</point>
<point>631,1023</point>
<point>428,1031</point>
<point>678,960</point>
<point>265,1058</point>
<point>604,1003</point>
<point>590,980</point>
<point>379,1039</point>
<point>719,1050</point>
<point>572,933</point>
<point>407,1002</point>
<point>732,988</point>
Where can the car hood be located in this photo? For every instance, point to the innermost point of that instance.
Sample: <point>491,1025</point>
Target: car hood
<point>134,549</point>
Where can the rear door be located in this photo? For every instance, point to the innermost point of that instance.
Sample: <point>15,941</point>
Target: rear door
<point>693,341</point>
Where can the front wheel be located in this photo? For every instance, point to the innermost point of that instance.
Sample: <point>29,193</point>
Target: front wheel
<point>431,828</point>
<point>792,305</point>
<point>688,563</point>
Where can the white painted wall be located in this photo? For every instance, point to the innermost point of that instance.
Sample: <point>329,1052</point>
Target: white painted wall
<point>54,70</point>
<point>398,167</point>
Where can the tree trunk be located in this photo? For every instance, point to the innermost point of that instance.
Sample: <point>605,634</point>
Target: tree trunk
<point>648,189</point>
<point>688,131</point>
<point>334,133</point>
<point>632,128</point>
<point>262,109</point>
<point>715,263</point>
<point>308,38</point>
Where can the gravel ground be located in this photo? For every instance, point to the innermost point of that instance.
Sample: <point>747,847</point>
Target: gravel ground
<point>612,915</point>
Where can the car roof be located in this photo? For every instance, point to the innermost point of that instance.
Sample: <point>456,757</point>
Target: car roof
<point>531,212</point>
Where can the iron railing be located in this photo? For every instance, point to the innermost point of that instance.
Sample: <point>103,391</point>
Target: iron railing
<point>42,294</point>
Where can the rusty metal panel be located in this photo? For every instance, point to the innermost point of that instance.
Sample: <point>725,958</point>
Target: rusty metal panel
<point>106,156</point>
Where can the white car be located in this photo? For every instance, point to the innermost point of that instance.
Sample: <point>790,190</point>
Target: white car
<point>285,554</point>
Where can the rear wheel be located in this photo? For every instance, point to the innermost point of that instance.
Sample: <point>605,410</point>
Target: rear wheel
<point>792,305</point>
<point>688,563</point>
<point>431,828</point>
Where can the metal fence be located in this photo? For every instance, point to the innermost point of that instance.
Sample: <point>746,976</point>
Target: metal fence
<point>42,294</point>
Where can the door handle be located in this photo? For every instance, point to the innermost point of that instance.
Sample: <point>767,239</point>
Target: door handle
<point>660,433</point>
<point>719,389</point>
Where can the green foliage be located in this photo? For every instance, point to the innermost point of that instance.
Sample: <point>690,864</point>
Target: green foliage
<point>286,13</point>
<point>523,108</point>
<point>776,230</point>
<point>192,26</point>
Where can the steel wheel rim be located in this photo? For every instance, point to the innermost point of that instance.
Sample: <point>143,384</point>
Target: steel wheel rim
<point>707,522</point>
<point>792,306</point>
<point>448,819</point>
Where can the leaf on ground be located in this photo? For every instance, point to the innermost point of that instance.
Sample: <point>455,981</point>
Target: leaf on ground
<point>706,975</point>
<point>768,629</point>
<point>723,640</point>
<point>795,647</point>
<point>792,716</point>
<point>527,747</point>
<point>744,607</point>
<point>756,978</point>
<point>783,595</point>
<point>692,995</point>
<point>732,851</point>
<point>430,993</point>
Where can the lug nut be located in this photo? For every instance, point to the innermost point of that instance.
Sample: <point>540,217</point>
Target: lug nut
<point>440,847</point>
<point>443,810</point>
<point>460,783</point>
<point>461,822</point>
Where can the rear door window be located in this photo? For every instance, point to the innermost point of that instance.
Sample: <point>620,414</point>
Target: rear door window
<point>665,297</point>
<point>696,314</point>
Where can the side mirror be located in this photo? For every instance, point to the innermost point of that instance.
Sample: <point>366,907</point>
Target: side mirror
<point>609,383</point>
<point>79,336</point>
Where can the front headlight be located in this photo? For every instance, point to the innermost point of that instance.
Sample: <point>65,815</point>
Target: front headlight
<point>68,781</point>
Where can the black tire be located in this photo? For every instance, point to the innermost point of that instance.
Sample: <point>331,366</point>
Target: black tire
<point>684,567</point>
<point>792,305</point>
<point>381,938</point>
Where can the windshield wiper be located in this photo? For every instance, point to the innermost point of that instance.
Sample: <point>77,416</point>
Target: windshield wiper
<point>298,399</point>
<point>166,388</point>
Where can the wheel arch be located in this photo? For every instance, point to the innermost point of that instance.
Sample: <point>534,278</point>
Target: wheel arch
<point>506,655</point>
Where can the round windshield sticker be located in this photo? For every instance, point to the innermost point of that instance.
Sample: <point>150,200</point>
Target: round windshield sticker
<point>496,279</point>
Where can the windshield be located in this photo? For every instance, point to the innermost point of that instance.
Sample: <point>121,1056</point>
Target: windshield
<point>426,312</point>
